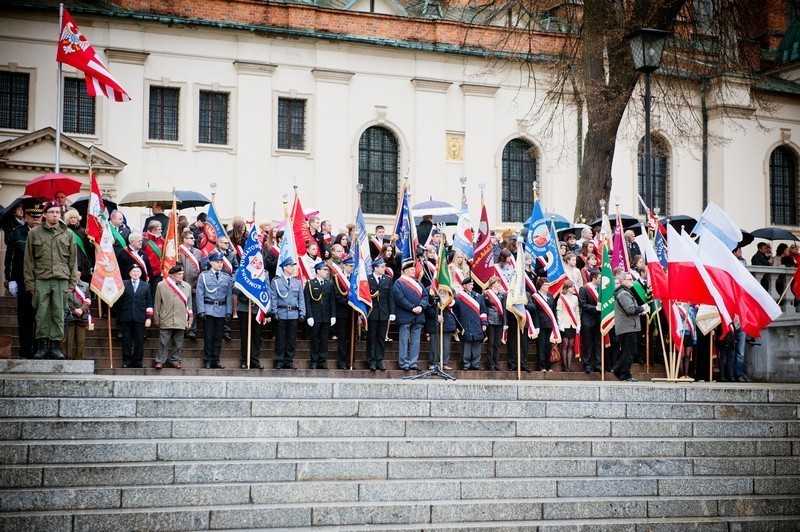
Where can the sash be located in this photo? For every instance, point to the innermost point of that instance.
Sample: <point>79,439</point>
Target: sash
<point>178,292</point>
<point>79,243</point>
<point>529,284</point>
<point>239,251</point>
<point>117,236</point>
<point>532,331</point>
<point>470,302</point>
<point>411,284</point>
<point>555,334</point>
<point>590,288</point>
<point>227,264</point>
<point>139,261</point>
<point>569,312</point>
<point>503,281</point>
<point>276,250</point>
<point>456,274</point>
<point>390,272</point>
<point>495,301</point>
<point>188,254</point>
<point>154,247</point>
<point>341,279</point>
<point>378,244</point>
<point>81,297</point>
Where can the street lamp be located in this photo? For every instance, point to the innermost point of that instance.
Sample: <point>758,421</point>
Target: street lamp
<point>647,46</point>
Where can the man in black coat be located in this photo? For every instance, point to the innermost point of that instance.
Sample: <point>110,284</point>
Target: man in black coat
<point>588,300</point>
<point>380,287</point>
<point>135,311</point>
<point>133,254</point>
<point>321,312</point>
<point>15,276</point>
<point>344,313</point>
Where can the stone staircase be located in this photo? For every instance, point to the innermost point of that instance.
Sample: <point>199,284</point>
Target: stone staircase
<point>180,453</point>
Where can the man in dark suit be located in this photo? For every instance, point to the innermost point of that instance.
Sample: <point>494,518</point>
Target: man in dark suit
<point>135,310</point>
<point>380,287</point>
<point>588,300</point>
<point>133,254</point>
<point>321,311</point>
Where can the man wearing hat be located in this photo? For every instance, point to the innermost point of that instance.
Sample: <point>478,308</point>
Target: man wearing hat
<point>173,312</point>
<point>344,313</point>
<point>321,307</point>
<point>134,313</point>
<point>214,307</point>
<point>410,301</point>
<point>15,277</point>
<point>50,272</point>
<point>286,294</point>
<point>382,312</point>
<point>471,316</point>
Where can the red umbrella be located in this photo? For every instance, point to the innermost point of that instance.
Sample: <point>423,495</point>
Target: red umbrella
<point>48,185</point>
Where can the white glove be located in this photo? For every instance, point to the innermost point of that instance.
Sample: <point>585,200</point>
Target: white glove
<point>310,322</point>
<point>12,288</point>
<point>505,328</point>
<point>333,322</point>
<point>599,307</point>
<point>392,317</point>
<point>561,328</point>
<point>578,330</point>
<point>645,309</point>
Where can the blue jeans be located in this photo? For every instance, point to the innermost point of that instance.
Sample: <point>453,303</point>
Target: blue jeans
<point>739,366</point>
<point>409,344</point>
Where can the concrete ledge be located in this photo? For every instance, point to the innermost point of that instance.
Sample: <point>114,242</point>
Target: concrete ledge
<point>21,365</point>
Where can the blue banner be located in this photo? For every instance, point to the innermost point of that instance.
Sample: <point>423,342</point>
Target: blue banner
<point>252,277</point>
<point>541,243</point>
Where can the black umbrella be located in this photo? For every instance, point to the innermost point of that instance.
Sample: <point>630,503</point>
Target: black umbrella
<point>628,221</point>
<point>774,233</point>
<point>443,219</point>
<point>8,220</point>
<point>190,198</point>
<point>82,206</point>
<point>679,221</point>
<point>747,239</point>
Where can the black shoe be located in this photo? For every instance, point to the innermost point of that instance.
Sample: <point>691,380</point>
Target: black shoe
<point>256,365</point>
<point>42,348</point>
<point>380,367</point>
<point>313,366</point>
<point>289,366</point>
<point>322,366</point>
<point>126,366</point>
<point>207,365</point>
<point>372,368</point>
<point>630,379</point>
<point>217,365</point>
<point>276,364</point>
<point>190,336</point>
<point>227,337</point>
<point>341,366</point>
<point>526,370</point>
<point>55,350</point>
<point>414,367</point>
<point>243,365</point>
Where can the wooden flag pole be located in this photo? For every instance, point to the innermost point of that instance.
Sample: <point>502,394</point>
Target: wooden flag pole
<point>663,345</point>
<point>711,359</point>
<point>679,355</point>
<point>519,356</point>
<point>788,285</point>
<point>249,328</point>
<point>647,346</point>
<point>352,338</point>
<point>602,357</point>
<point>110,345</point>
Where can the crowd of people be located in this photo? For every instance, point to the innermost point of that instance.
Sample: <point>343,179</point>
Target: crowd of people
<point>47,260</point>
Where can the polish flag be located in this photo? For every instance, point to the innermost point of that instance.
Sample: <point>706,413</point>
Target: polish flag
<point>688,279</point>
<point>658,277</point>
<point>740,290</point>
<point>94,227</point>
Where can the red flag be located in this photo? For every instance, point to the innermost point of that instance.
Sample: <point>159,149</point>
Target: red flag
<point>796,283</point>
<point>74,49</point>
<point>106,278</point>
<point>658,277</point>
<point>169,255</point>
<point>482,260</point>
<point>301,236</point>
<point>95,210</point>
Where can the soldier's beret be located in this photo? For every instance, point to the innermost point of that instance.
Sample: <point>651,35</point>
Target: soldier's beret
<point>408,264</point>
<point>175,269</point>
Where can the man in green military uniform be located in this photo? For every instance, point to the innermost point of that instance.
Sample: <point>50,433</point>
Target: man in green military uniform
<point>50,273</point>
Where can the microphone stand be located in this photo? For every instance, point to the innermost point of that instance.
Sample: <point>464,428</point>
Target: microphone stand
<point>437,367</point>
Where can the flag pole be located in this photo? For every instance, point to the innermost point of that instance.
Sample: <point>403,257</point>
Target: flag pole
<point>602,357</point>
<point>352,337</point>
<point>59,97</point>
<point>647,346</point>
<point>110,345</point>
<point>441,338</point>
<point>711,359</point>
<point>663,345</point>
<point>249,301</point>
<point>519,356</point>
<point>679,355</point>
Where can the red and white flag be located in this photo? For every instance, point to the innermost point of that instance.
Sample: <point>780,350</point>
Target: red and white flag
<point>94,227</point>
<point>740,290</point>
<point>106,278</point>
<point>482,259</point>
<point>658,277</point>
<point>688,279</point>
<point>301,235</point>
<point>74,50</point>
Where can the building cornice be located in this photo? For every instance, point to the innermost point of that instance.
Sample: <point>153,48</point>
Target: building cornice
<point>479,89</point>
<point>254,67</point>
<point>333,76</point>
<point>132,57</point>
<point>431,85</point>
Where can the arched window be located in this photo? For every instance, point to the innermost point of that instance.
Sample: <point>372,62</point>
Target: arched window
<point>519,173</point>
<point>658,196</point>
<point>377,171</point>
<point>783,187</point>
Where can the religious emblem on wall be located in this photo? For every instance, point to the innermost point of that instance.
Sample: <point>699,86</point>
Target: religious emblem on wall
<point>454,143</point>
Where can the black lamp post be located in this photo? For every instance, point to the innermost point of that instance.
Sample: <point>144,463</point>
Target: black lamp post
<point>647,46</point>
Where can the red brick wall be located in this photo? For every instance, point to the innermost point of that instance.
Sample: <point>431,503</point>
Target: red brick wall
<point>370,25</point>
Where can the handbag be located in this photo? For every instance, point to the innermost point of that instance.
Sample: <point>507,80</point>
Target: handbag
<point>555,353</point>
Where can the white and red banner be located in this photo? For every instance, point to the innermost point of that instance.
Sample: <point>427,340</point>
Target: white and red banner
<point>106,278</point>
<point>74,50</point>
<point>96,210</point>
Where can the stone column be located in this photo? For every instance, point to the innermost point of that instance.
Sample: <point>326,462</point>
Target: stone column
<point>480,147</point>
<point>429,170</point>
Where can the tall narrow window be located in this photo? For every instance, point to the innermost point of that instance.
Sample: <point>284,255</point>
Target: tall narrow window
<point>519,173</point>
<point>78,108</point>
<point>213,119</point>
<point>164,106</point>
<point>783,187</point>
<point>14,100</point>
<point>658,196</point>
<point>377,171</point>
<point>291,124</point>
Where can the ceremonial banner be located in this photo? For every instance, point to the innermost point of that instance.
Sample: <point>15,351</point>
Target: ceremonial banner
<point>363,242</point>
<point>288,249</point>
<point>169,254</point>
<point>619,258</point>
<point>658,278</point>
<point>251,277</point>
<point>516,298</point>
<point>211,231</point>
<point>443,281</point>
<point>541,243</point>
<point>463,237</point>
<point>106,278</point>
<point>715,220</point>
<point>606,295</point>
<point>360,298</point>
<point>299,228</point>
<point>405,229</point>
<point>95,212</point>
<point>482,259</point>
<point>661,249</point>
<point>74,50</point>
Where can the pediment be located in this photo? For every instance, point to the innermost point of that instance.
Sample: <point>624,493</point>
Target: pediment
<point>35,152</point>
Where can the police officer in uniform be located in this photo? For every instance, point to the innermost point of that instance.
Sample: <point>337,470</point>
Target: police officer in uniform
<point>286,294</point>
<point>230,263</point>
<point>344,313</point>
<point>214,307</point>
<point>15,276</point>
<point>382,312</point>
<point>321,308</point>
